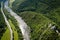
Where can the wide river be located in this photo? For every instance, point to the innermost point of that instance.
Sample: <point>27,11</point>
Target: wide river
<point>22,25</point>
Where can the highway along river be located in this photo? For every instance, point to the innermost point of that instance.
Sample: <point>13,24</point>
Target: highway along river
<point>7,23</point>
<point>22,25</point>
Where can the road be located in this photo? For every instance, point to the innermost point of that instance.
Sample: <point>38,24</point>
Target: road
<point>22,25</point>
<point>7,23</point>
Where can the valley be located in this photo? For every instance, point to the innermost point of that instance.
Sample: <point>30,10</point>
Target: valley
<point>30,20</point>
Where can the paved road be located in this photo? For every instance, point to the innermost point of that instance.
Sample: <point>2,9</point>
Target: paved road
<point>7,23</point>
<point>22,25</point>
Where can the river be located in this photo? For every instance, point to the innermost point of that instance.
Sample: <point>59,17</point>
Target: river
<point>7,23</point>
<point>22,25</point>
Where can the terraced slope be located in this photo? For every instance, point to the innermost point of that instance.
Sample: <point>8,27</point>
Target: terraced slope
<point>38,14</point>
<point>39,25</point>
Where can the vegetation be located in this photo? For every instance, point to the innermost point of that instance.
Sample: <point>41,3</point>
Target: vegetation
<point>2,25</point>
<point>14,25</point>
<point>6,35</point>
<point>38,14</point>
<point>14,31</point>
<point>38,24</point>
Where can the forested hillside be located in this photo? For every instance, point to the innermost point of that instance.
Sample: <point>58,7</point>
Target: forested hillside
<point>49,8</point>
<point>42,18</point>
<point>38,14</point>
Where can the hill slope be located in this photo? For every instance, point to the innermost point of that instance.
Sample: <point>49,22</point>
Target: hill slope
<point>38,14</point>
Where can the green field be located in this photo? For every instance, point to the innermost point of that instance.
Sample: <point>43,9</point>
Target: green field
<point>14,30</point>
<point>6,35</point>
